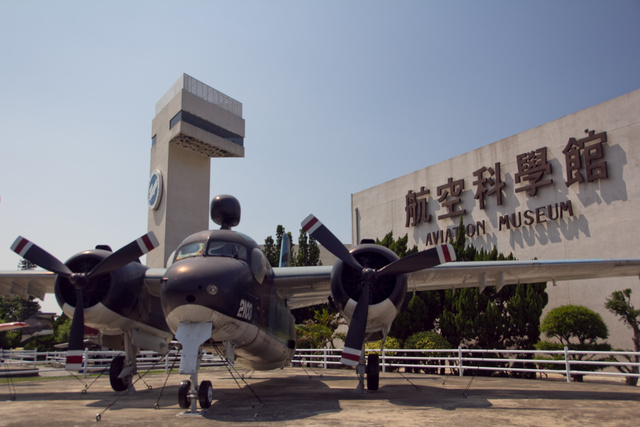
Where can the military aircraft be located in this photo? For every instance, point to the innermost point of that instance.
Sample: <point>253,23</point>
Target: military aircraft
<point>219,289</point>
<point>37,325</point>
<point>10,326</point>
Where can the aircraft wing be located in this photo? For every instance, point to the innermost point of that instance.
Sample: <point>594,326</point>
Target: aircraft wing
<point>303,286</point>
<point>499,273</point>
<point>25,283</point>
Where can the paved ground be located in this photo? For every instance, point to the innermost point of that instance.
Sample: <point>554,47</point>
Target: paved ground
<point>292,397</point>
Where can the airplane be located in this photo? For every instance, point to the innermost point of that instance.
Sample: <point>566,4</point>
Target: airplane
<point>219,289</point>
<point>10,326</point>
<point>37,325</point>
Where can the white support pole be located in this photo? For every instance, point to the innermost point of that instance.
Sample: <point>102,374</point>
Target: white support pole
<point>384,365</point>
<point>85,362</point>
<point>567,364</point>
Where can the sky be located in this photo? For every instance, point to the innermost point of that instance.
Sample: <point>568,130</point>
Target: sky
<point>338,97</point>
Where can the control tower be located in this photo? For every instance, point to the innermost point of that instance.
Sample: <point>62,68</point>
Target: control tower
<point>193,123</point>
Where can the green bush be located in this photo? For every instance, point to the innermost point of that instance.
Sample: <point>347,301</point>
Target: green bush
<point>569,322</point>
<point>427,340</point>
<point>390,342</point>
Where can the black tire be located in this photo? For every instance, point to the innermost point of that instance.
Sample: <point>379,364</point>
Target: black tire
<point>118,384</point>
<point>183,394</point>
<point>205,394</point>
<point>373,371</point>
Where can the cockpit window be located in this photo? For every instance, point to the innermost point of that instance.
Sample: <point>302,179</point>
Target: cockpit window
<point>190,250</point>
<point>227,249</point>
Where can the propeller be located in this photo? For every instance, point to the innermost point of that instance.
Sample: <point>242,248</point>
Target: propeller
<point>116,260</point>
<point>354,341</point>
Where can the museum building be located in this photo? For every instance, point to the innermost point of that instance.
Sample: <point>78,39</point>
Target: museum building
<point>569,189</point>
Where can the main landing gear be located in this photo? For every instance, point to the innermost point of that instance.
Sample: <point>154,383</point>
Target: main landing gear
<point>123,368</point>
<point>119,383</point>
<point>372,370</point>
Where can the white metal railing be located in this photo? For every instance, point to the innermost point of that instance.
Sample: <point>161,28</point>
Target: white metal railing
<point>462,359</point>
<point>93,361</point>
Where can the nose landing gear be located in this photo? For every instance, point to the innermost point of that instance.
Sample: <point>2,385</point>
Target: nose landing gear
<point>192,336</point>
<point>187,394</point>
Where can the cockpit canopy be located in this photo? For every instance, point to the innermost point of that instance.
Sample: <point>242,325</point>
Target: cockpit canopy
<point>212,248</point>
<point>225,243</point>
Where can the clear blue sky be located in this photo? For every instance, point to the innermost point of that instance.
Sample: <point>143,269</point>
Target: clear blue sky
<point>338,96</point>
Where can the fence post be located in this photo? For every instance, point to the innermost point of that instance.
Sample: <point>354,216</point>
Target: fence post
<point>460,360</point>
<point>85,362</point>
<point>324,357</point>
<point>384,368</point>
<point>567,364</point>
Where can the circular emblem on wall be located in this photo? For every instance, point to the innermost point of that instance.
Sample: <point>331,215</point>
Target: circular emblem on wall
<point>155,190</point>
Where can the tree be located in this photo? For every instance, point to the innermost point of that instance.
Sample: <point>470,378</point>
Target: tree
<point>308,251</point>
<point>270,251</point>
<point>506,317</point>
<point>399,246</point>
<point>569,323</point>
<point>25,264</point>
<point>619,303</point>
<point>15,309</point>
<point>491,318</point>
<point>320,331</point>
<point>272,247</point>
<point>574,321</point>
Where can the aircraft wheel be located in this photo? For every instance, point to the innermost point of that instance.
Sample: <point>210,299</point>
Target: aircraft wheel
<point>205,394</point>
<point>118,384</point>
<point>183,394</point>
<point>373,371</point>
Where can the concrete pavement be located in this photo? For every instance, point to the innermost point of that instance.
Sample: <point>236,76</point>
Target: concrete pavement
<point>294,396</point>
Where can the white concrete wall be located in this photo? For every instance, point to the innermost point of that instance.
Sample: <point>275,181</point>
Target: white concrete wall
<point>603,224</point>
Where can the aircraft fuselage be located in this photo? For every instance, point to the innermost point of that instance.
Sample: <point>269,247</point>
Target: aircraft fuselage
<point>222,277</point>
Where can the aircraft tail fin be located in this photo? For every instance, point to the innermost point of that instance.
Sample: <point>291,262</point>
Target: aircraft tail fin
<point>285,251</point>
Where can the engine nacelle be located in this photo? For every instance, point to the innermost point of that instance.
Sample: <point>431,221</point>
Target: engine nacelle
<point>387,294</point>
<point>118,291</point>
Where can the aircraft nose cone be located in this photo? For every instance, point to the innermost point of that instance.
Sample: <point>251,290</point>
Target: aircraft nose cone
<point>208,282</point>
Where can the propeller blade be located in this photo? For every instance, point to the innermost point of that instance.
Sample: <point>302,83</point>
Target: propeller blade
<point>420,261</point>
<point>322,234</point>
<point>39,256</point>
<point>126,254</point>
<point>75,351</point>
<point>353,344</point>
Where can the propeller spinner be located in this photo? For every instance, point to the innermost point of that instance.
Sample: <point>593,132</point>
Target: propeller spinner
<point>116,260</point>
